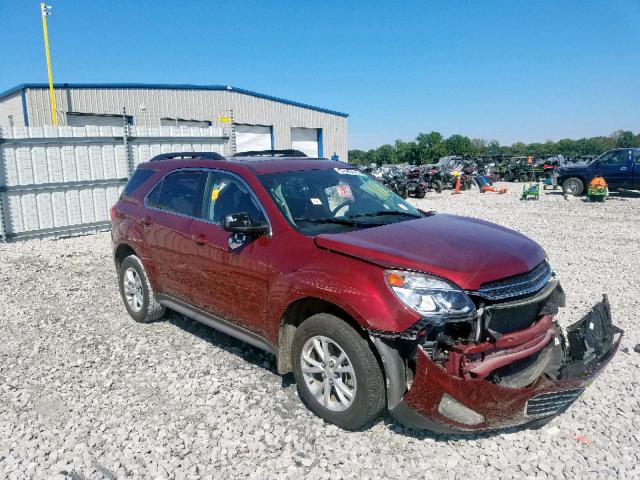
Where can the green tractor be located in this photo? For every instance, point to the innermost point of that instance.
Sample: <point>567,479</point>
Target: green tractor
<point>531,192</point>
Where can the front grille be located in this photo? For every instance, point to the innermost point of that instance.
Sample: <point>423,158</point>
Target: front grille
<point>550,403</point>
<point>518,285</point>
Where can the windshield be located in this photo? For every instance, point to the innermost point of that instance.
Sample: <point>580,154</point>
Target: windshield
<point>335,200</point>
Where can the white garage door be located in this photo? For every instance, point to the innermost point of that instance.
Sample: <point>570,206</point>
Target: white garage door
<point>252,137</point>
<point>305,140</point>
<point>86,119</point>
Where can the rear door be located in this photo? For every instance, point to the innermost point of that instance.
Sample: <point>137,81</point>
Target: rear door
<point>232,281</point>
<point>172,205</point>
<point>616,168</point>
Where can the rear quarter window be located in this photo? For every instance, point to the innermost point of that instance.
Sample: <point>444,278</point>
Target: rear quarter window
<point>137,179</point>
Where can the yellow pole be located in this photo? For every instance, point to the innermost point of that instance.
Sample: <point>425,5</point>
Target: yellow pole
<point>52,98</point>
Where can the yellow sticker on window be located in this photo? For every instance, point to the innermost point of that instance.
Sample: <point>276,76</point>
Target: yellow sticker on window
<point>214,193</point>
<point>376,189</point>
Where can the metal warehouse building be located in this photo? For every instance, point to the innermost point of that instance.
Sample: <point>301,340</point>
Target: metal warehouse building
<point>258,122</point>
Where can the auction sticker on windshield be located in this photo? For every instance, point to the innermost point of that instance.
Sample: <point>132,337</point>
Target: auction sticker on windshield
<point>344,191</point>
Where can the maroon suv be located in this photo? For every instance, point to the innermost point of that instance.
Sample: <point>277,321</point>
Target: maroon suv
<point>446,321</point>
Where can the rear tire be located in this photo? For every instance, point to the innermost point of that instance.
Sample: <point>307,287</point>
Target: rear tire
<point>368,392</point>
<point>573,186</point>
<point>437,186</point>
<point>137,294</point>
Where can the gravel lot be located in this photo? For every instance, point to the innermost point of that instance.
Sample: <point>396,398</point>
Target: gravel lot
<point>85,392</point>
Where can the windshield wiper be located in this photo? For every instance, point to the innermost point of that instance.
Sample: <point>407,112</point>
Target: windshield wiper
<point>387,212</point>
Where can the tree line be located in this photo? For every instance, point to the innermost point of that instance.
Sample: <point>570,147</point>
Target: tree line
<point>430,147</point>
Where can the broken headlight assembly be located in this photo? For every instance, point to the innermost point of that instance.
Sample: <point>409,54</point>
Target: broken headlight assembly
<point>431,297</point>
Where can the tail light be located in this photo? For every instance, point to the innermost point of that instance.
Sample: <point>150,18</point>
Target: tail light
<point>112,214</point>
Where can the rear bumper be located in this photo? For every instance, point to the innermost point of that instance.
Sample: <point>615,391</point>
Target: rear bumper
<point>445,403</point>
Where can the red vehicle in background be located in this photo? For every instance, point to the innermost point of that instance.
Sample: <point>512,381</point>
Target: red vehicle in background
<point>434,179</point>
<point>416,186</point>
<point>448,322</point>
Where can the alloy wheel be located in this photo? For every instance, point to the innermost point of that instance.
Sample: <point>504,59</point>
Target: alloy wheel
<point>133,289</point>
<point>328,373</point>
<point>572,186</point>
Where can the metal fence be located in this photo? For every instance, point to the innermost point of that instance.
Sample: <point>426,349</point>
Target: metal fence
<point>57,182</point>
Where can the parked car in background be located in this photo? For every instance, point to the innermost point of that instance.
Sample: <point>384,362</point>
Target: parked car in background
<point>620,168</point>
<point>448,322</point>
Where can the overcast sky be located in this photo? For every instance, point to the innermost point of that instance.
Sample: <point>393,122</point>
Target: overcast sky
<point>501,70</point>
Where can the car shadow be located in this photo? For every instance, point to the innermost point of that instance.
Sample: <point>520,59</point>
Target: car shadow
<point>246,352</point>
<point>418,434</point>
<point>267,361</point>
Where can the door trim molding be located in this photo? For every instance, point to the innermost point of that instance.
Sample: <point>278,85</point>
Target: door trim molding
<point>216,323</point>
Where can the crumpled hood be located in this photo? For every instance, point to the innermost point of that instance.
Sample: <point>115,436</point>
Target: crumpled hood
<point>466,251</point>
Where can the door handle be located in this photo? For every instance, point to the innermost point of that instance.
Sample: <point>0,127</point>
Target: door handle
<point>146,220</point>
<point>623,168</point>
<point>199,238</point>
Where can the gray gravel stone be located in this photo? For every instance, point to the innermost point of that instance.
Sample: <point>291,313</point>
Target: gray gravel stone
<point>85,390</point>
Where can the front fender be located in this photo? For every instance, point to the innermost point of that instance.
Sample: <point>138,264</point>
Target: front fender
<point>363,296</point>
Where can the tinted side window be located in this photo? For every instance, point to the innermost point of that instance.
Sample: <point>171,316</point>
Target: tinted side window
<point>606,159</point>
<point>226,195</point>
<point>136,180</point>
<point>153,197</point>
<point>618,157</point>
<point>180,192</point>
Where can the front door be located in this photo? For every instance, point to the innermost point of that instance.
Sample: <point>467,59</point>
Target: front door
<point>232,277</point>
<point>615,166</point>
<point>171,206</point>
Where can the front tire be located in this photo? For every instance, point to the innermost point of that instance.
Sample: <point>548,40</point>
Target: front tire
<point>573,186</point>
<point>137,294</point>
<point>337,375</point>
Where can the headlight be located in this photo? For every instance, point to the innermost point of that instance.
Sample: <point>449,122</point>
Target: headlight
<point>430,296</point>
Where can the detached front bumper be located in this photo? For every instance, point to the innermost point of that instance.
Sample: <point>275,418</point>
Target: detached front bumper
<point>444,403</point>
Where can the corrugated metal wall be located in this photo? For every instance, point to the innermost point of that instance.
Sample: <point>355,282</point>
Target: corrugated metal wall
<point>62,181</point>
<point>11,110</point>
<point>148,106</point>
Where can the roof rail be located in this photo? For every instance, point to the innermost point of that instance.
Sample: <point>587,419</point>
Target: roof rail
<point>182,155</point>
<point>271,153</point>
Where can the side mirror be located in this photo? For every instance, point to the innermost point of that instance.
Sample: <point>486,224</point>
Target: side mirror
<point>242,223</point>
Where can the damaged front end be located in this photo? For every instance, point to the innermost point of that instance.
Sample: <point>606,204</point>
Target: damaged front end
<point>509,365</point>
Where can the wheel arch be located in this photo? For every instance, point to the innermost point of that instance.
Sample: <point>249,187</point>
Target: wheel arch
<point>564,178</point>
<point>296,313</point>
<point>121,252</point>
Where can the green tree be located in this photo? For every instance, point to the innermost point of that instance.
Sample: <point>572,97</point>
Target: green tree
<point>407,152</point>
<point>493,148</point>
<point>357,157</point>
<point>384,154</point>
<point>430,147</point>
<point>625,140</point>
<point>458,145</point>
